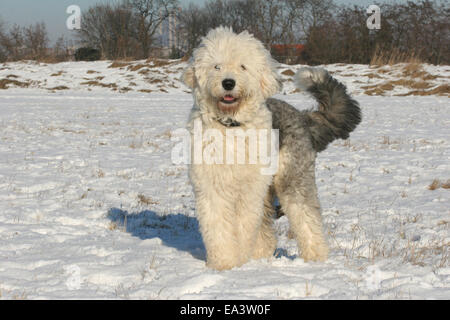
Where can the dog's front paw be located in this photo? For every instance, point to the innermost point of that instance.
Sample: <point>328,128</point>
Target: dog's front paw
<point>222,264</point>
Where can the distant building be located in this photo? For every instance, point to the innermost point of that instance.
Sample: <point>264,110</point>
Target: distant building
<point>167,38</point>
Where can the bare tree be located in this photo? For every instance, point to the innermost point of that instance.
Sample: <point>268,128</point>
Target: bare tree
<point>150,15</point>
<point>36,40</point>
<point>61,49</point>
<point>193,25</point>
<point>3,42</point>
<point>110,29</point>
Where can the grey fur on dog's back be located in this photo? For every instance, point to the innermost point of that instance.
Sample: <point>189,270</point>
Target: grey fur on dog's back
<point>337,115</point>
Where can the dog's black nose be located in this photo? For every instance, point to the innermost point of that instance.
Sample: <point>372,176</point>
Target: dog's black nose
<point>228,84</point>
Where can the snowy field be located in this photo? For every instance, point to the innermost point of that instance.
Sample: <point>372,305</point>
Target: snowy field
<point>91,206</point>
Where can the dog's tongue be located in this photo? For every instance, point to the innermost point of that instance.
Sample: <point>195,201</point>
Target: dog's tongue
<point>228,98</point>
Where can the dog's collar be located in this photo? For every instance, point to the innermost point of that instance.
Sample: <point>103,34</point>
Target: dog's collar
<point>228,122</point>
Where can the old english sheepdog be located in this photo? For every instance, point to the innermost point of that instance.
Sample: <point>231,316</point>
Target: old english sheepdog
<point>232,77</point>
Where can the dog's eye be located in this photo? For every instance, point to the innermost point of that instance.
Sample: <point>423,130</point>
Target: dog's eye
<point>217,67</point>
<point>243,67</point>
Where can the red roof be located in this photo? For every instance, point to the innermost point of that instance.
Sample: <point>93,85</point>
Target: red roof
<point>281,47</point>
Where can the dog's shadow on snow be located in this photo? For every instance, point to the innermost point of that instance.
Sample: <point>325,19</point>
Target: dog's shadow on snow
<point>175,230</point>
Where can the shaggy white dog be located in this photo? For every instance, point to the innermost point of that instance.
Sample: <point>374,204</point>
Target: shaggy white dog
<point>232,77</point>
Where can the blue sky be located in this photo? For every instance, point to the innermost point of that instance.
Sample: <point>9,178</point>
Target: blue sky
<point>53,12</point>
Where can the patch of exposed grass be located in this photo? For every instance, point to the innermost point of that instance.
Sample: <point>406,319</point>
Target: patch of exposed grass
<point>373,75</point>
<point>155,62</point>
<point>119,64</point>
<point>288,72</point>
<point>99,84</point>
<point>154,80</point>
<point>137,67</point>
<point>4,83</point>
<point>409,83</point>
<point>442,90</point>
<point>59,88</point>
<point>57,74</point>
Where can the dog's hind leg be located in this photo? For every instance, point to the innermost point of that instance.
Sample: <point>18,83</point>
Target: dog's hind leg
<point>253,229</point>
<point>265,240</point>
<point>297,192</point>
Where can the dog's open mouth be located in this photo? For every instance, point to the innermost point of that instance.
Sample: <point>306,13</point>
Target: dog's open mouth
<point>228,103</point>
<point>228,99</point>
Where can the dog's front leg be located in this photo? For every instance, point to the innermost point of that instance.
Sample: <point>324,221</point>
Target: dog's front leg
<point>218,229</point>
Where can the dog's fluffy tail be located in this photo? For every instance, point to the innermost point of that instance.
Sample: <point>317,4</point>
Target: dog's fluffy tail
<point>337,115</point>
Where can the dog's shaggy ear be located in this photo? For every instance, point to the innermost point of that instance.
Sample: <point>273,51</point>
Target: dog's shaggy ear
<point>270,82</point>
<point>188,76</point>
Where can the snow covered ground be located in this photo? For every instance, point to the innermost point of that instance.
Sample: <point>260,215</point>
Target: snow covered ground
<point>92,207</point>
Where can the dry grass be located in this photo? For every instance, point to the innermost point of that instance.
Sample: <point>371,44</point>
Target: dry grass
<point>146,200</point>
<point>436,184</point>
<point>157,62</point>
<point>144,71</point>
<point>119,64</point>
<point>288,72</point>
<point>418,87</point>
<point>393,56</point>
<point>415,70</point>
<point>145,90</point>
<point>125,89</point>
<point>5,82</point>
<point>57,74</point>
<point>59,88</point>
<point>370,75</point>
<point>91,71</point>
<point>99,84</point>
<point>416,253</point>
<point>442,90</point>
<point>375,91</point>
<point>137,67</point>
<point>154,80</point>
<point>409,83</point>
